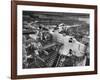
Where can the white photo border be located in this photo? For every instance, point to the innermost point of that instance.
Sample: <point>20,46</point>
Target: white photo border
<point>21,71</point>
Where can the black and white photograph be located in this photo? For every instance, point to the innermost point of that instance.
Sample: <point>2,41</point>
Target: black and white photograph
<point>55,39</point>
